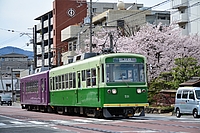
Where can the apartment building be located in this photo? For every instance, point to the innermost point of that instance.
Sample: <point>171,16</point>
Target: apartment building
<point>61,31</point>
<point>10,67</point>
<point>187,15</point>
<point>113,18</point>
<point>47,33</point>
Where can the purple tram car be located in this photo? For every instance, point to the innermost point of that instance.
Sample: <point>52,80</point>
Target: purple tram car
<point>35,91</point>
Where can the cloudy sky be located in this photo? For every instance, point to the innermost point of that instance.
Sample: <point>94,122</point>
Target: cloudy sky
<point>17,17</point>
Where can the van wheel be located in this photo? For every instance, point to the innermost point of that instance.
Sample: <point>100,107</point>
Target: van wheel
<point>178,113</point>
<point>195,114</point>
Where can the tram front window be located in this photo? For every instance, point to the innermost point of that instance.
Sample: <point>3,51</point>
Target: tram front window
<point>125,72</point>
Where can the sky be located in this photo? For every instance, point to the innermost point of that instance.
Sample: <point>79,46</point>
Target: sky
<point>17,18</point>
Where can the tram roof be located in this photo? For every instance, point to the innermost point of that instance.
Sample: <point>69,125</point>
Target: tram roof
<point>97,58</point>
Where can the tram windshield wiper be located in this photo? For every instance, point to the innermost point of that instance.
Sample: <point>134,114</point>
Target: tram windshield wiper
<point>124,81</point>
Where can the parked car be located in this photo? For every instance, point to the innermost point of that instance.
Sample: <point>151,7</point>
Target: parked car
<point>6,99</point>
<point>188,101</point>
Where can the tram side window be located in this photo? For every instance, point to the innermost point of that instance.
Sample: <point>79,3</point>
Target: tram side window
<point>79,80</point>
<point>53,83</point>
<point>63,81</point>
<point>93,70</point>
<point>66,81</point>
<point>70,80</point>
<point>57,83</point>
<point>74,80</point>
<point>102,66</point>
<point>42,85</point>
<point>60,82</point>
<point>88,75</point>
<point>35,88</point>
<point>83,75</point>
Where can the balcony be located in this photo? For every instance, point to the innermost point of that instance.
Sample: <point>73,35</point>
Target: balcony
<point>39,63</point>
<point>175,4</point>
<point>46,36</point>
<point>70,32</point>
<point>39,50</point>
<point>38,27</point>
<point>51,34</point>
<point>39,38</point>
<point>46,62</point>
<point>46,22</point>
<point>183,18</point>
<point>51,23</point>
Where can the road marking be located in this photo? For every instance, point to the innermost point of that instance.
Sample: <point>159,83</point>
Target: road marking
<point>38,122</point>
<point>146,131</point>
<point>82,120</point>
<point>2,124</point>
<point>17,122</point>
<point>66,122</point>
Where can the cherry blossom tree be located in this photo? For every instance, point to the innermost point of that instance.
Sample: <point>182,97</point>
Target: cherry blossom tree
<point>160,44</point>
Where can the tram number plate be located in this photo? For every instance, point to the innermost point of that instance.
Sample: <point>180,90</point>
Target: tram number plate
<point>126,96</point>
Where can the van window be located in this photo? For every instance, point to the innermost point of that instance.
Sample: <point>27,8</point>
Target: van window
<point>197,94</point>
<point>191,95</point>
<point>185,94</point>
<point>179,94</point>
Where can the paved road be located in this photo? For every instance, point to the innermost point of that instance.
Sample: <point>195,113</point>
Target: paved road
<point>13,119</point>
<point>10,125</point>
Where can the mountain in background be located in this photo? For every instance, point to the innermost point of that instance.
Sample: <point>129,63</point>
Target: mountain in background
<point>9,49</point>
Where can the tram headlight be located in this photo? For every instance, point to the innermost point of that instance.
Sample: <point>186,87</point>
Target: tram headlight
<point>139,90</point>
<point>143,90</point>
<point>109,91</point>
<point>114,91</point>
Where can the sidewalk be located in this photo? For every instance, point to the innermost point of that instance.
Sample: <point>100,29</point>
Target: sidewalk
<point>16,104</point>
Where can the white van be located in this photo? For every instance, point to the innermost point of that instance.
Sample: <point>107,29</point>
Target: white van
<point>187,101</point>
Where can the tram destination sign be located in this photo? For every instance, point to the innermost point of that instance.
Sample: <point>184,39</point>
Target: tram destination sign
<point>124,60</point>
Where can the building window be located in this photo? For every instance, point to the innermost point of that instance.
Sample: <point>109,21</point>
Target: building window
<point>182,11</point>
<point>94,10</point>
<point>182,26</point>
<point>70,46</point>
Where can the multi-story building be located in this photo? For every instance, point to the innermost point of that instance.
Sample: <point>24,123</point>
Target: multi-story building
<point>47,33</point>
<point>186,15</point>
<point>10,67</point>
<point>61,31</point>
<point>128,19</point>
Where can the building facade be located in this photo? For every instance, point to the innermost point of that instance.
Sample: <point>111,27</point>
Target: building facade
<point>10,67</point>
<point>128,19</point>
<point>47,33</point>
<point>61,31</point>
<point>186,15</point>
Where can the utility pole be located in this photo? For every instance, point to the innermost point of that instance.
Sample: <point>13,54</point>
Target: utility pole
<point>2,82</point>
<point>12,85</point>
<point>42,53</point>
<point>90,26</point>
<point>111,41</point>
